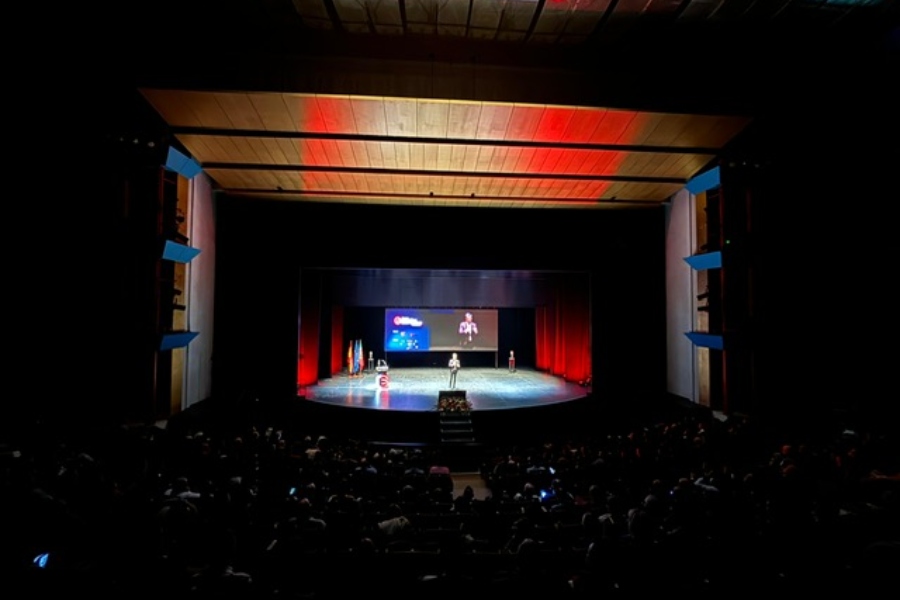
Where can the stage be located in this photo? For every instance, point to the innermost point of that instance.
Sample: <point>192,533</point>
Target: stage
<point>507,408</point>
<point>417,389</point>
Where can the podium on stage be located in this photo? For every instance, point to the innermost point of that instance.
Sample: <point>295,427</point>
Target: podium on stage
<point>382,377</point>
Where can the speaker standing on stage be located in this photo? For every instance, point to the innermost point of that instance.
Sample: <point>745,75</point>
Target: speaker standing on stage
<point>454,369</point>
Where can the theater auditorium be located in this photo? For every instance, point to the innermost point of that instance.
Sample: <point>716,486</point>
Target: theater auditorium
<point>455,297</point>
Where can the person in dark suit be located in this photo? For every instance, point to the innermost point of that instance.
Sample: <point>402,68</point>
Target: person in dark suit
<point>454,369</point>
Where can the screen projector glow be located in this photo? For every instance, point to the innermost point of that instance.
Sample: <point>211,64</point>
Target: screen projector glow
<point>438,329</point>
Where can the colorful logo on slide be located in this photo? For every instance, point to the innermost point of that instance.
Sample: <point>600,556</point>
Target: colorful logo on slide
<point>400,321</point>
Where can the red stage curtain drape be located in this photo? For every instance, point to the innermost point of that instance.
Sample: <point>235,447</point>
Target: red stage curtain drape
<point>563,331</point>
<point>308,334</point>
<point>337,340</point>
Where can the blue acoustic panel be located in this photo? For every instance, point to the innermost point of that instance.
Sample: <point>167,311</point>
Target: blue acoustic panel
<point>177,339</point>
<point>703,262</point>
<point>706,340</point>
<point>179,252</point>
<point>704,181</point>
<point>182,164</point>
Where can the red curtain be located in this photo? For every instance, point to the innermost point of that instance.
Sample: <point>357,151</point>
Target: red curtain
<point>337,340</point>
<point>545,318</point>
<point>308,335</point>
<point>563,332</point>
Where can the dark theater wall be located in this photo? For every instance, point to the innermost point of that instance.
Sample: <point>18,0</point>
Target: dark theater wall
<point>263,246</point>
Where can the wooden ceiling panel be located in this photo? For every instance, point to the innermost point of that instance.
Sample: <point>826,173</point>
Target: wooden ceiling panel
<point>199,146</point>
<point>484,157</point>
<point>429,157</point>
<point>519,189</point>
<point>241,150</point>
<point>471,158</point>
<point>638,164</point>
<point>613,126</point>
<point>391,156</point>
<point>432,118</point>
<point>238,111</point>
<point>452,157</point>
<point>689,165</point>
<point>273,112</point>
<point>225,178</point>
<point>375,154</point>
<point>664,129</point>
<point>400,116</point>
<point>312,152</point>
<point>358,156</point>
<point>523,159</point>
<point>554,124</point>
<point>583,123</point>
<point>523,122</point>
<point>599,162</point>
<point>668,165</point>
<point>593,189</point>
<point>327,182</point>
<point>571,114</point>
<point>416,155</point>
<point>498,159</point>
<point>361,146</point>
<point>261,150</point>
<point>335,152</point>
<point>286,151</point>
<point>493,122</point>
<point>640,128</point>
<point>577,160</point>
<point>463,118</point>
<point>403,154</point>
<point>369,116</point>
<point>538,161</point>
<point>212,148</point>
<point>340,154</point>
<point>511,159</point>
<point>304,112</point>
<point>335,113</point>
<point>356,183</point>
<point>172,106</point>
<point>458,187</point>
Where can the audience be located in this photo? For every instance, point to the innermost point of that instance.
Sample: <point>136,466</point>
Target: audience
<point>257,513</point>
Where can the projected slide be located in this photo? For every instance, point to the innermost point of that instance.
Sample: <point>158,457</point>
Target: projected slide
<point>435,329</point>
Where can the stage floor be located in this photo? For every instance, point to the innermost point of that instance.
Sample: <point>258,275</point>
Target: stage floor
<point>417,389</point>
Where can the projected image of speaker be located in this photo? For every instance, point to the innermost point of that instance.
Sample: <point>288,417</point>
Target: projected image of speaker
<point>440,329</point>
